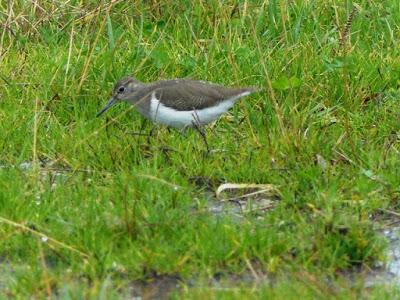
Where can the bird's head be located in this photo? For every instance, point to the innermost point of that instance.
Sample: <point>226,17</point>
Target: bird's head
<point>123,89</point>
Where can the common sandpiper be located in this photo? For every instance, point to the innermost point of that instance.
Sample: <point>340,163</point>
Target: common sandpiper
<point>178,103</point>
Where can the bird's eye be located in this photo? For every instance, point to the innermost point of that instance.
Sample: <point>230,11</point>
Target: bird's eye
<point>121,89</point>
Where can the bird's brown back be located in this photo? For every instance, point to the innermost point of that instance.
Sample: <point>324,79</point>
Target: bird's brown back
<point>184,94</point>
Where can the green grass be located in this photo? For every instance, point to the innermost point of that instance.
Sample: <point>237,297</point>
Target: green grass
<point>325,131</point>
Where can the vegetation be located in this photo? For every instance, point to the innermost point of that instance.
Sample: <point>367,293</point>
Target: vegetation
<point>88,209</point>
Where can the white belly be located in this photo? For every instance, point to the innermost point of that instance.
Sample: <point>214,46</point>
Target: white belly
<point>179,119</point>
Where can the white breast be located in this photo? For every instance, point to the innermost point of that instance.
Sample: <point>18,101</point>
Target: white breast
<point>160,113</point>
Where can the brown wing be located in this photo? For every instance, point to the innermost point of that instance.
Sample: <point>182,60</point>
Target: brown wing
<point>193,95</point>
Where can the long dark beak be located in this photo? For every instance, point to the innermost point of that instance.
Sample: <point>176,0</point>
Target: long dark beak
<point>110,103</point>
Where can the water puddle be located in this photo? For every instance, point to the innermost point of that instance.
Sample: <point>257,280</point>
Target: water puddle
<point>387,273</point>
<point>49,171</point>
<point>162,287</point>
<point>236,200</point>
<point>158,287</point>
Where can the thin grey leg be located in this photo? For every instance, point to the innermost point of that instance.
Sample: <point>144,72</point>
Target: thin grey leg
<point>197,125</point>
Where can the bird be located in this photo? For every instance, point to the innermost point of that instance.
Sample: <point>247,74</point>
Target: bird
<point>178,103</point>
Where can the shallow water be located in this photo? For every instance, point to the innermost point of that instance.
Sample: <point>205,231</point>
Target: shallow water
<point>387,273</point>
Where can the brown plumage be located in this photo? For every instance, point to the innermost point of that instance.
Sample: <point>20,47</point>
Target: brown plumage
<point>187,95</point>
<point>159,100</point>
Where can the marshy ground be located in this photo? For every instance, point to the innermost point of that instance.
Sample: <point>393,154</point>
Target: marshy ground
<point>89,209</point>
